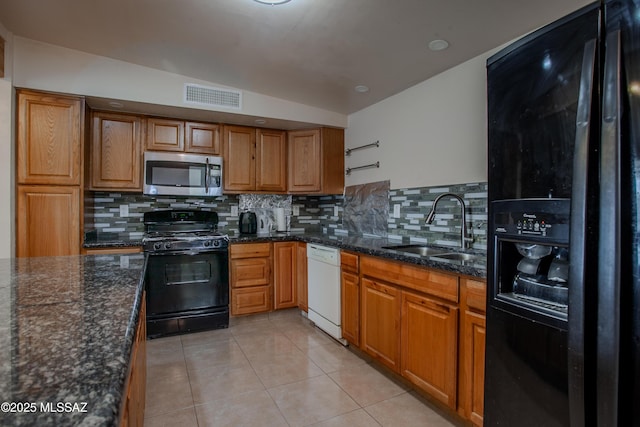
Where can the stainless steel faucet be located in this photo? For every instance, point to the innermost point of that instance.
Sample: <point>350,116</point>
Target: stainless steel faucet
<point>463,232</point>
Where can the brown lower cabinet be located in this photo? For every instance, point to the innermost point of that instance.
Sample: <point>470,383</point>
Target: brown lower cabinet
<point>132,413</point>
<point>424,324</point>
<point>267,276</point>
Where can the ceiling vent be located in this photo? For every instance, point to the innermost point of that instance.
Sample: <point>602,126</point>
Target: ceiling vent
<point>212,96</point>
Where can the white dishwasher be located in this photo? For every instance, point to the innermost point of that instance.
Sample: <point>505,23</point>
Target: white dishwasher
<point>323,276</point>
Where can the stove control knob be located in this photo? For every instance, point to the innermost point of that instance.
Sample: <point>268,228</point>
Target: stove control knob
<point>216,243</point>
<point>167,245</point>
<point>206,243</point>
<point>157,246</point>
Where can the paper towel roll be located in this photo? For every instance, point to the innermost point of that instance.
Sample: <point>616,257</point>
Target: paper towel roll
<point>281,223</point>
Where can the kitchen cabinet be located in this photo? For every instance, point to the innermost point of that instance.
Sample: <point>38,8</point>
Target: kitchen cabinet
<point>176,135</point>
<point>49,138</point>
<point>250,278</point>
<point>409,322</point>
<point>255,160</point>
<point>132,412</point>
<point>239,153</point>
<point>165,134</point>
<point>202,138</point>
<point>429,345</point>
<point>301,276</point>
<point>271,161</point>
<point>284,275</point>
<point>316,161</point>
<point>49,164</point>
<point>472,342</point>
<point>350,296</point>
<point>381,322</point>
<point>48,220</point>
<point>116,153</point>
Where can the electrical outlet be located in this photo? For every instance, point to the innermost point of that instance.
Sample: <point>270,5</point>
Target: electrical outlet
<point>296,210</point>
<point>124,261</point>
<point>335,211</point>
<point>234,210</point>
<point>396,211</point>
<point>124,211</point>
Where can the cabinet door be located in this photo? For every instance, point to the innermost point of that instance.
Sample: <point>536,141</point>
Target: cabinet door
<point>116,158</point>
<point>350,310</point>
<point>239,145</point>
<point>301,276</point>
<point>271,161</point>
<point>165,134</point>
<point>284,286</point>
<point>49,136</point>
<point>305,161</point>
<point>429,345</point>
<point>381,322</point>
<point>203,138</point>
<point>473,366</point>
<point>48,221</point>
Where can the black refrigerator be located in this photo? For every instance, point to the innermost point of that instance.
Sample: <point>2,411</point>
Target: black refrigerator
<point>563,289</point>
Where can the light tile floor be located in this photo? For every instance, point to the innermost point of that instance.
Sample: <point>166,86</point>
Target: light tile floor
<point>275,369</point>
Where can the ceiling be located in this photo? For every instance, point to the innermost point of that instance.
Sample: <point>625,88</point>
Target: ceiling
<point>312,52</point>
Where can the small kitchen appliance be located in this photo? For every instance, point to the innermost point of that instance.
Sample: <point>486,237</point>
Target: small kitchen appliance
<point>248,223</point>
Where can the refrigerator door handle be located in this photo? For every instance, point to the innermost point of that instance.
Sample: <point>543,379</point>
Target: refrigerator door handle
<point>577,244</point>
<point>608,336</point>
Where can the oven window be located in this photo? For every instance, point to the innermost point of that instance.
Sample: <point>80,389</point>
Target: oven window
<point>189,272</point>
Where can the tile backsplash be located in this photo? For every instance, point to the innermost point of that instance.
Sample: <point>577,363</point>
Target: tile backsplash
<point>121,214</point>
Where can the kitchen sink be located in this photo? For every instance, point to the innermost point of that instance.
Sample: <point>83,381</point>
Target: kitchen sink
<point>459,256</point>
<point>418,249</point>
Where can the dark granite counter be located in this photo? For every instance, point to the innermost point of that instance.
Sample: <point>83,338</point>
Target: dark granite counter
<point>66,330</point>
<point>365,245</point>
<point>375,246</point>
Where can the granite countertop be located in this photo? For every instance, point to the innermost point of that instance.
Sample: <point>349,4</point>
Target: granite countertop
<point>365,245</point>
<point>66,331</point>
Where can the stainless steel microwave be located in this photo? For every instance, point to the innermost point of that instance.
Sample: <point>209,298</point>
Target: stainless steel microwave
<point>180,174</point>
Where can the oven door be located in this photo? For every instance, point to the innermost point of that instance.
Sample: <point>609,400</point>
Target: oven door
<point>184,283</point>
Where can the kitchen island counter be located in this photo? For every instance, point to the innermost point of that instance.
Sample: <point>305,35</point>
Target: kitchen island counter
<point>67,326</point>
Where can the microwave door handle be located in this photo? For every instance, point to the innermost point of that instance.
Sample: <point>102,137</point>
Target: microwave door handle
<point>206,177</point>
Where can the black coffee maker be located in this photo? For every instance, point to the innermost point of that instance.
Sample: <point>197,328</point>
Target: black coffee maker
<point>248,223</point>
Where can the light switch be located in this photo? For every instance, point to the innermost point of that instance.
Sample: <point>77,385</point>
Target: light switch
<point>335,211</point>
<point>296,210</point>
<point>124,211</point>
<point>396,211</point>
<point>234,210</point>
<point>124,261</point>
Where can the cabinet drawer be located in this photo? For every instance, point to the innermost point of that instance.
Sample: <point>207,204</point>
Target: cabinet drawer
<point>250,272</point>
<point>349,261</point>
<point>433,282</point>
<point>476,294</point>
<point>250,250</point>
<point>255,299</point>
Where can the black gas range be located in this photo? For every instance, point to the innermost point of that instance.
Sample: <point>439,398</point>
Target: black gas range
<point>187,279</point>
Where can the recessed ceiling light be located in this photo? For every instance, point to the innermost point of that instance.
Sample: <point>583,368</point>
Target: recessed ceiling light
<point>260,121</point>
<point>116,104</point>
<point>361,88</point>
<point>272,2</point>
<point>438,44</point>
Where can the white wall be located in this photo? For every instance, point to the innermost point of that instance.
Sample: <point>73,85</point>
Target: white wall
<point>53,68</point>
<point>7,161</point>
<point>434,133</point>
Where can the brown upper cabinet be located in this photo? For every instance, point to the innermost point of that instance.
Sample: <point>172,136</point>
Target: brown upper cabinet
<point>316,161</point>
<point>116,157</point>
<point>177,135</point>
<point>255,160</point>
<point>50,132</point>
